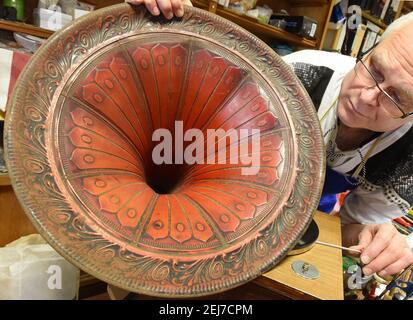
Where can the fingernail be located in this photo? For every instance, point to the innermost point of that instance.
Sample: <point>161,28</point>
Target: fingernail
<point>367,271</point>
<point>156,11</point>
<point>179,13</point>
<point>382,273</point>
<point>169,15</point>
<point>365,259</point>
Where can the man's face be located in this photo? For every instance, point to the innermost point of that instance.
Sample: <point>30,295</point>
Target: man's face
<point>392,63</point>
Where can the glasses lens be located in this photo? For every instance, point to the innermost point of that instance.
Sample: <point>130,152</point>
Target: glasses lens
<point>364,74</point>
<point>390,107</point>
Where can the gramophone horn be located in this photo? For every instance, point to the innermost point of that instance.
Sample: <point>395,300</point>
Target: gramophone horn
<point>94,168</point>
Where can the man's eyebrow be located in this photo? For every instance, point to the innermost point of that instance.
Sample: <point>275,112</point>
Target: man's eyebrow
<point>377,61</point>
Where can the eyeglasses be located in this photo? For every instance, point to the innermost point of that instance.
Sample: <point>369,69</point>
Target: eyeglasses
<point>385,99</point>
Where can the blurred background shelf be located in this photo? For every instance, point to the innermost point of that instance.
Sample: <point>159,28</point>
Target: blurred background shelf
<point>319,10</point>
<point>375,20</point>
<point>25,28</point>
<point>259,29</point>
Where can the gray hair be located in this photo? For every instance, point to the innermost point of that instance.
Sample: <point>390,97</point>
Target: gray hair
<point>398,24</point>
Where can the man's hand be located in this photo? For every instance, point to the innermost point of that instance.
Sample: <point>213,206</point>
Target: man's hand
<point>169,8</point>
<point>383,249</point>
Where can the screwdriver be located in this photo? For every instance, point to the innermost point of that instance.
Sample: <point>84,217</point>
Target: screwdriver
<point>337,246</point>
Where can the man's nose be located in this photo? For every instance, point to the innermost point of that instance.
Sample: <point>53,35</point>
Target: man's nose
<point>370,95</point>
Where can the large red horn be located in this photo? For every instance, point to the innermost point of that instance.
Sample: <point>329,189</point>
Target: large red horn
<point>145,211</point>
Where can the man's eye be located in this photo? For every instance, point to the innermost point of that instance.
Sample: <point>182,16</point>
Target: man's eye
<point>377,75</point>
<point>394,96</point>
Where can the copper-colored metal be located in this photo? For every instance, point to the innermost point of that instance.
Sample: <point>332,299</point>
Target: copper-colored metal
<point>79,151</point>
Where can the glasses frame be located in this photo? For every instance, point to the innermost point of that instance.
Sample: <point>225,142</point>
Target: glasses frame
<point>358,59</point>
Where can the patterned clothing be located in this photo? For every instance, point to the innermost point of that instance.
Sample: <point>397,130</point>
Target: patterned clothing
<point>386,181</point>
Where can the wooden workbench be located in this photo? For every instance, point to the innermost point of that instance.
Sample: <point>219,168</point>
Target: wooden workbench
<point>328,261</point>
<point>13,221</point>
